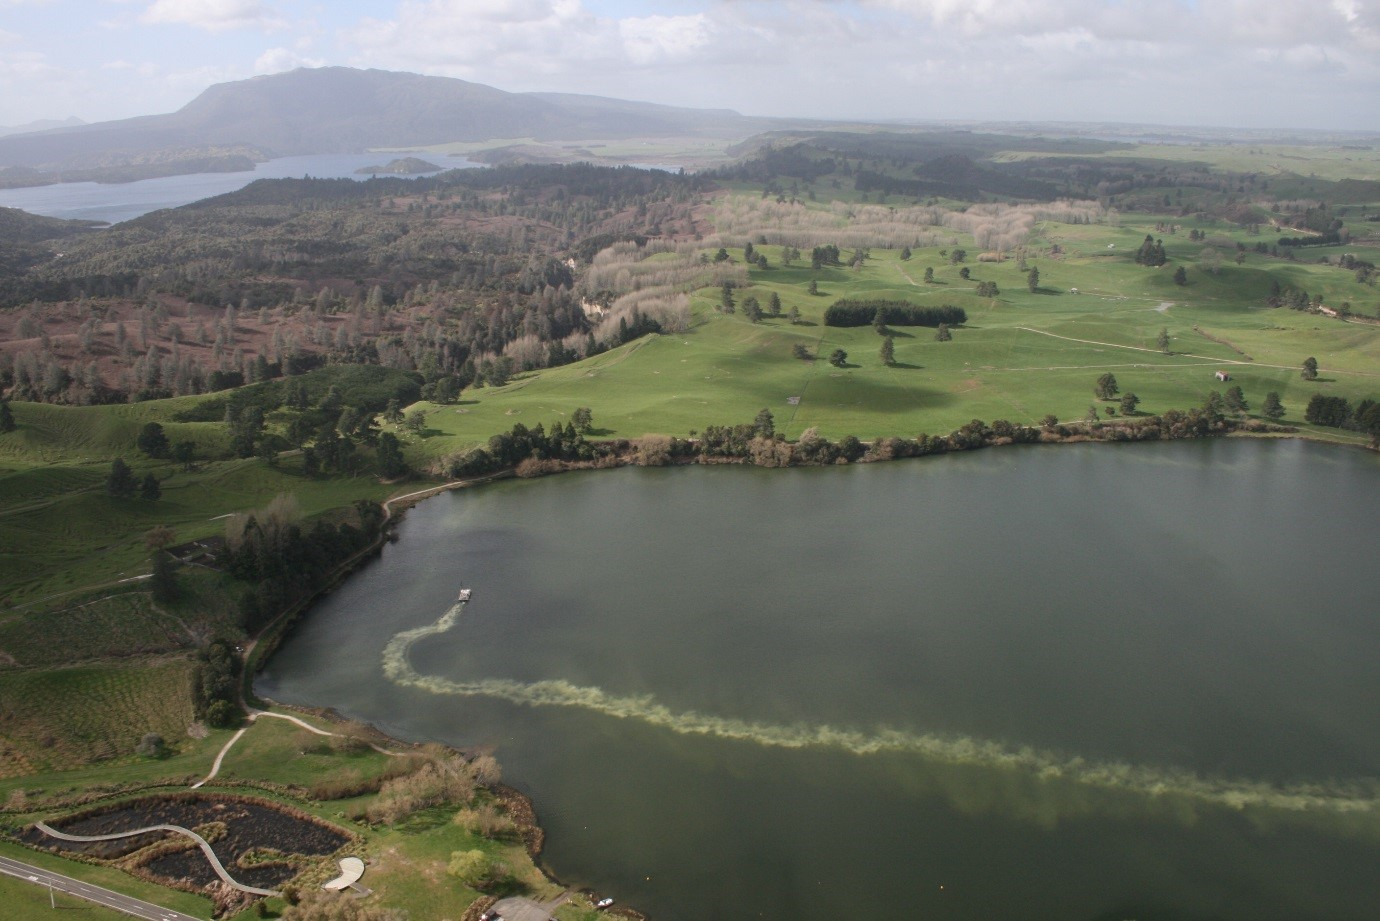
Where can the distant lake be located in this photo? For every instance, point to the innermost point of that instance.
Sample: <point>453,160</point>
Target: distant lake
<point>115,202</point>
<point>1075,683</point>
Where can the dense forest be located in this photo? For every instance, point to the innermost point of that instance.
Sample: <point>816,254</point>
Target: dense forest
<point>465,277</point>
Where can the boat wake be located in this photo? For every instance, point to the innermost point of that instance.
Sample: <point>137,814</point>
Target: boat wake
<point>1039,785</point>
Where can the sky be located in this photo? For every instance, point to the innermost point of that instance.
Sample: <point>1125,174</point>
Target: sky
<point>1282,64</point>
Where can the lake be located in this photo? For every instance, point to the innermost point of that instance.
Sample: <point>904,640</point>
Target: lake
<point>115,202</point>
<point>1072,682</point>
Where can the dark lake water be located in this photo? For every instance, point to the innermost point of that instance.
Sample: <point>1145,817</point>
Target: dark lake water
<point>1082,682</point>
<point>115,202</point>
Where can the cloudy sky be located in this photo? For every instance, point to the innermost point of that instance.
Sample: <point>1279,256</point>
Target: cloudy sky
<point>1247,63</point>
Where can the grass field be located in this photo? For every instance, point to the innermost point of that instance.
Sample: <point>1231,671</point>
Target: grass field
<point>60,718</point>
<point>1021,355</point>
<point>24,901</point>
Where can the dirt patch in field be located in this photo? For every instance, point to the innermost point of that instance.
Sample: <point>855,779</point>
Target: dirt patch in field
<point>261,844</point>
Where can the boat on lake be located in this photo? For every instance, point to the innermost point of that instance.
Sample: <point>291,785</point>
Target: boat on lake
<point>464,595</point>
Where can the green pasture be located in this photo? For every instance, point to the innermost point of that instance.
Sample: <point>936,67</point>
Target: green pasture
<point>59,530</point>
<point>1323,162</point>
<point>27,902</point>
<point>57,719</point>
<point>1021,355</point>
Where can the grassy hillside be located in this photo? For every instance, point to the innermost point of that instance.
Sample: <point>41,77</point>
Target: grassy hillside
<point>1021,355</point>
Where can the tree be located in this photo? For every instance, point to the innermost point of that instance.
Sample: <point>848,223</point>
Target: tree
<point>799,351</point>
<point>120,483</point>
<point>1129,402</point>
<point>151,746</point>
<point>7,423</point>
<point>929,275</point>
<point>721,255</point>
<point>726,297</point>
<point>1092,415</point>
<point>814,286</point>
<point>774,304</point>
<point>1180,276</point>
<point>583,419</point>
<point>184,452</point>
<point>764,425</point>
<point>1272,408</point>
<point>1151,252</point>
<point>150,488</point>
<point>1235,399</point>
<point>1162,340</point>
<point>964,273</point>
<point>957,256</point>
<point>905,253</point>
<point>888,353</point>
<point>415,422</point>
<point>879,322</point>
<point>222,714</point>
<point>153,441</point>
<point>793,315</point>
<point>1032,280</point>
<point>158,537</point>
<point>1310,369</point>
<point>838,358</point>
<point>752,310</point>
<point>1214,404</point>
<point>942,334</point>
<point>392,413</point>
<point>475,869</point>
<point>163,582</point>
<point>1106,387</point>
<point>391,463</point>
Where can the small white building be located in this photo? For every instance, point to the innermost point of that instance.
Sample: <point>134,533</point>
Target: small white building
<point>1223,376</point>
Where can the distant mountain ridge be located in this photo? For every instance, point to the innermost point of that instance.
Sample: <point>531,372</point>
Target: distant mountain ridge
<point>43,124</point>
<point>345,110</point>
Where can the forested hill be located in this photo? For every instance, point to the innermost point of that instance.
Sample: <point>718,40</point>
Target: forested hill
<point>341,109</point>
<point>468,274</point>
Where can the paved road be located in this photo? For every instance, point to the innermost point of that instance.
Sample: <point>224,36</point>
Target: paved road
<point>60,883</point>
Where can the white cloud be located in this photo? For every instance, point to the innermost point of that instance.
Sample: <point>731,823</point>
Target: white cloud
<point>278,60</point>
<point>649,39</point>
<point>214,15</point>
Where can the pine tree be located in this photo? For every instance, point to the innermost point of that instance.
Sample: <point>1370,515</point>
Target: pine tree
<point>1272,408</point>
<point>888,351</point>
<point>164,579</point>
<point>1162,340</point>
<point>150,488</point>
<point>7,423</point>
<point>120,483</point>
<point>1032,280</point>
